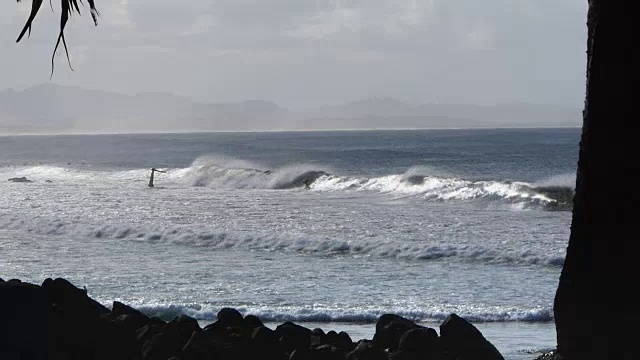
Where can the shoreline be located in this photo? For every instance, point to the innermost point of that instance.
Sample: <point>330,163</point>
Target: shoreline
<point>57,320</point>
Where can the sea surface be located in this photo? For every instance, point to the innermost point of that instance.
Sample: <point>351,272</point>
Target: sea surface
<point>420,223</point>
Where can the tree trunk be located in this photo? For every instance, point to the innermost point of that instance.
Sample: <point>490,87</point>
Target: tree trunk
<point>596,313</point>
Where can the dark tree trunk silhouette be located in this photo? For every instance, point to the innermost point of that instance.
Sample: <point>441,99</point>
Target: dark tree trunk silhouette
<point>596,313</point>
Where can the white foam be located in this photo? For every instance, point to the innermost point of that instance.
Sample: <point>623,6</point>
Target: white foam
<point>219,239</point>
<point>349,315</point>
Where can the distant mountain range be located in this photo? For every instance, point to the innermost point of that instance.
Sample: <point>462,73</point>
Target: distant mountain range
<point>61,109</point>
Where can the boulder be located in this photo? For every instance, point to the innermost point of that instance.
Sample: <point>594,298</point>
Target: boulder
<point>293,336</point>
<point>22,179</point>
<point>389,330</point>
<point>419,343</point>
<point>23,321</point>
<point>464,341</point>
<point>366,350</point>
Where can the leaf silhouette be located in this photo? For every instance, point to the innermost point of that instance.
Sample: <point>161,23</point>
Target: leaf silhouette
<point>67,7</point>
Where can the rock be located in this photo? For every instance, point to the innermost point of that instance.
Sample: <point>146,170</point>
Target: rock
<point>340,340</point>
<point>229,317</point>
<point>552,355</point>
<point>59,321</point>
<point>68,297</point>
<point>419,340</point>
<point>389,330</point>
<point>464,341</point>
<point>199,347</point>
<point>252,322</point>
<point>265,344</point>
<point>325,352</point>
<point>367,350</point>
<point>419,343</point>
<point>129,316</point>
<point>161,346</point>
<point>170,340</point>
<point>185,326</point>
<point>22,179</point>
<point>293,336</point>
<point>23,321</point>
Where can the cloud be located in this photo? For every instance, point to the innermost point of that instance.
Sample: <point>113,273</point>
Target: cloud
<point>314,51</point>
<point>117,14</point>
<point>201,25</point>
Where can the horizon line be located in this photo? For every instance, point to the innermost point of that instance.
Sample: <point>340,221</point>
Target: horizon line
<point>290,131</point>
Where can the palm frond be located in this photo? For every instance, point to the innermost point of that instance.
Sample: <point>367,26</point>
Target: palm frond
<point>67,7</point>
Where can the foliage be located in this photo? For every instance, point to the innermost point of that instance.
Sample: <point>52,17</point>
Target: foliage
<point>67,7</point>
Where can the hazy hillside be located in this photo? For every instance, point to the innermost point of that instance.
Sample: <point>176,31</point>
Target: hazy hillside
<point>54,109</point>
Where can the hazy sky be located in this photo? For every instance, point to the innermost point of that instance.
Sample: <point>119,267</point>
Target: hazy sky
<point>302,53</point>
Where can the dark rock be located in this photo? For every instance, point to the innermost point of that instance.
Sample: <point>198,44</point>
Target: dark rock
<point>252,322</point>
<point>552,355</point>
<point>59,321</point>
<point>265,344</point>
<point>293,336</point>
<point>299,354</point>
<point>114,340</point>
<point>389,330</point>
<point>146,332</point>
<point>129,316</point>
<point>154,320</point>
<point>340,340</point>
<point>169,340</point>
<point>162,346</point>
<point>325,352</point>
<point>465,342</point>
<point>22,179</point>
<point>344,342</point>
<point>185,326</point>
<point>421,339</point>
<point>366,350</point>
<point>67,296</point>
<point>199,347</point>
<point>420,343</point>
<point>119,308</point>
<point>230,317</point>
<point>23,321</point>
<point>215,327</point>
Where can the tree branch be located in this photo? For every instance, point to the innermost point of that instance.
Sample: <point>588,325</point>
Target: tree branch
<point>68,7</point>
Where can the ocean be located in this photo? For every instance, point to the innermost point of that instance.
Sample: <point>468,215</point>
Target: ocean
<point>419,223</point>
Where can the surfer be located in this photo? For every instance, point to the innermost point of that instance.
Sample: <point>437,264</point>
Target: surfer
<point>153,170</point>
<point>306,184</point>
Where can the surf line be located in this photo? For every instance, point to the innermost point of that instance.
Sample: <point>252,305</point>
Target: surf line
<point>153,170</point>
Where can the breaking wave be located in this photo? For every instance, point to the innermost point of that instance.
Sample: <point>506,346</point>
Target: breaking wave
<point>308,244</point>
<point>358,316</point>
<point>215,172</point>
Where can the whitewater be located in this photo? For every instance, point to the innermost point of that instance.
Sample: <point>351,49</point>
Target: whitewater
<point>417,223</point>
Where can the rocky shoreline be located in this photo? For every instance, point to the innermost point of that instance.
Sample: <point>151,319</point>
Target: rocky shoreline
<point>57,320</point>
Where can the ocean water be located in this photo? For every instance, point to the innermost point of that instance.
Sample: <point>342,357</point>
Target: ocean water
<point>417,223</point>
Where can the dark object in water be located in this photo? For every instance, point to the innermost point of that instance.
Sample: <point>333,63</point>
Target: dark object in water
<point>20,179</point>
<point>563,196</point>
<point>306,184</point>
<point>153,170</point>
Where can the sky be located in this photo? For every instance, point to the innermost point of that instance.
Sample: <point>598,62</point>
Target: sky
<point>308,53</point>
